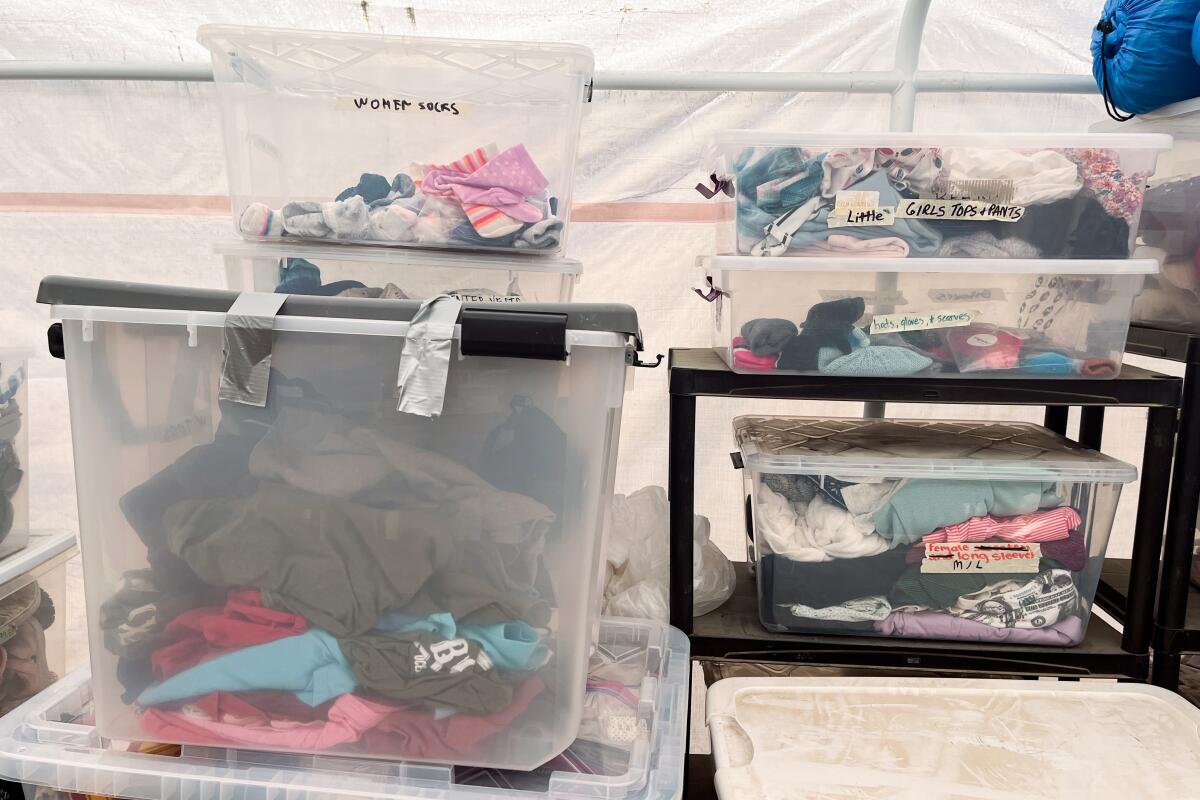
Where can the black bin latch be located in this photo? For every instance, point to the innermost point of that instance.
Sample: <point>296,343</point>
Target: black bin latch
<point>513,334</point>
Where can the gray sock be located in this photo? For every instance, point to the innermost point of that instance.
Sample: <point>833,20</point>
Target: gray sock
<point>766,337</point>
<point>403,186</point>
<point>304,219</point>
<point>347,218</point>
<point>540,235</point>
<point>984,244</point>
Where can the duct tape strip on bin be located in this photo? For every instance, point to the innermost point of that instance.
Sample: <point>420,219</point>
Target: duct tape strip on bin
<point>249,331</point>
<point>425,361</point>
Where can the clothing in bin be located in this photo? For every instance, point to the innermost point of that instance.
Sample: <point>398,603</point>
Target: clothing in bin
<point>939,530</point>
<point>343,270</point>
<point>325,572</point>
<point>947,317</point>
<point>306,591</point>
<point>25,615</point>
<point>483,199</point>
<point>931,196</point>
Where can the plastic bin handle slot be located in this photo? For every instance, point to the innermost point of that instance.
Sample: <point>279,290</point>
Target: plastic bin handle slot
<point>249,331</point>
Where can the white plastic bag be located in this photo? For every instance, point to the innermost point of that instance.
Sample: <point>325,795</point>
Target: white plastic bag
<point>639,557</point>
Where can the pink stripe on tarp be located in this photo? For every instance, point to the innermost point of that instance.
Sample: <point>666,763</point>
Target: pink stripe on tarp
<point>210,205</point>
<point>200,205</point>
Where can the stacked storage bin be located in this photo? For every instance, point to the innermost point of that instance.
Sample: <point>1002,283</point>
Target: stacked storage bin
<point>399,145</point>
<point>14,451</point>
<point>361,271</point>
<point>33,565</point>
<point>912,254</point>
<point>629,747</point>
<point>33,611</point>
<point>968,531</point>
<point>1170,226</point>
<point>955,256</point>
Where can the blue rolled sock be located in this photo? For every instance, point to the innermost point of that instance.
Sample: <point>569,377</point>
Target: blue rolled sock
<point>370,187</point>
<point>1048,364</point>
<point>298,276</point>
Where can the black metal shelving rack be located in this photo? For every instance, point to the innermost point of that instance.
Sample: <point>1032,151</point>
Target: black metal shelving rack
<point>733,631</point>
<point>1176,630</point>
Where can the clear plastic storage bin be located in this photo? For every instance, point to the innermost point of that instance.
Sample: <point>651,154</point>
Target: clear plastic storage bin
<point>347,576</point>
<point>970,531</point>
<point>14,451</point>
<point>931,195</point>
<point>348,271</point>
<point>632,746</point>
<point>950,317</point>
<point>950,739</point>
<point>399,140</point>
<point>1170,229</point>
<point>33,616</point>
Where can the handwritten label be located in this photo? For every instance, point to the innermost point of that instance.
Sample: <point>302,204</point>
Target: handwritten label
<point>914,321</point>
<point>993,190</point>
<point>860,199</point>
<point>854,217</point>
<point>345,103</point>
<point>950,557</point>
<point>483,296</point>
<point>878,298</point>
<point>959,209</point>
<point>966,295</point>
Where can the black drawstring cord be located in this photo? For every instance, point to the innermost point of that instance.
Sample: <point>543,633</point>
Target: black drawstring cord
<point>1106,27</point>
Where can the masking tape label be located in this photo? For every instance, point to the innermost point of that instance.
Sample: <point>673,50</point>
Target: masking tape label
<point>981,557</point>
<point>959,209</point>
<point>920,321</point>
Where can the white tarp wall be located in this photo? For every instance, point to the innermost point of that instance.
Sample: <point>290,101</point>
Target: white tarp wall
<point>126,179</point>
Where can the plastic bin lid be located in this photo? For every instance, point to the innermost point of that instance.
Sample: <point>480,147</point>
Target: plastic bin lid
<point>942,738</point>
<point>278,43</point>
<point>947,449</point>
<point>989,141</point>
<point>976,266</point>
<point>44,547</point>
<point>1176,119</point>
<point>50,741</point>
<point>399,257</point>
<point>57,290</point>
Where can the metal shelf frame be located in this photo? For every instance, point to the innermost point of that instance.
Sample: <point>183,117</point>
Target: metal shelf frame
<point>733,632</point>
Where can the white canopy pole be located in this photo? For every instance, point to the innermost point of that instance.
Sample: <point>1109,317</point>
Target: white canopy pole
<point>868,82</point>
<point>903,111</point>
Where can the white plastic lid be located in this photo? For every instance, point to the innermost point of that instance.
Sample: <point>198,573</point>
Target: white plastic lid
<point>398,257</point>
<point>973,266</point>
<point>282,42</point>
<point>43,547</point>
<point>1176,119</point>
<point>929,738</point>
<point>988,141</point>
<point>939,449</point>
